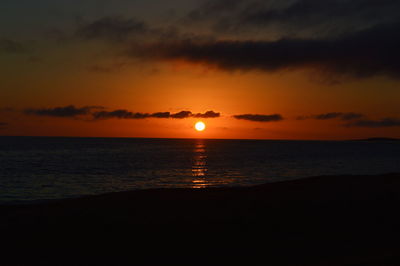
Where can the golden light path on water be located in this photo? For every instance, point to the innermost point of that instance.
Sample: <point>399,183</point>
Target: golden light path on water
<point>203,174</point>
<point>199,167</point>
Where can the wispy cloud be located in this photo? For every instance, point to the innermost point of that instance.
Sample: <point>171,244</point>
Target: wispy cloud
<point>12,47</point>
<point>100,112</point>
<point>121,114</point>
<point>208,114</point>
<point>355,119</point>
<point>120,31</point>
<point>66,111</point>
<point>385,122</point>
<point>259,117</point>
<point>300,17</point>
<point>95,113</point>
<point>334,115</point>
<point>125,114</point>
<point>115,29</point>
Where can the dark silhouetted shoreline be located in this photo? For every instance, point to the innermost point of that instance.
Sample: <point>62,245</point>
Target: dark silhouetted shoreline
<point>378,139</point>
<point>342,220</point>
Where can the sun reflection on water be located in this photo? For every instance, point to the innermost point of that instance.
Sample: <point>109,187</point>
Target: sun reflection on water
<point>199,167</point>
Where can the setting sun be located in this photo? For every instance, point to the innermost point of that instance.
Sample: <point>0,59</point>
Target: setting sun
<point>200,126</point>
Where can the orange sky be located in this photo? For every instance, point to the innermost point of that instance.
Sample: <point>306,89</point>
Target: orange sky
<point>83,72</point>
<point>174,88</point>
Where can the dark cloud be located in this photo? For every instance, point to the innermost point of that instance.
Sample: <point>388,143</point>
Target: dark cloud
<point>339,115</point>
<point>161,115</point>
<point>121,31</point>
<point>12,47</point>
<point>312,11</point>
<point>112,29</point>
<point>351,116</point>
<point>365,43</point>
<point>121,114</point>
<point>295,17</point>
<point>385,122</point>
<point>362,54</point>
<point>333,115</point>
<point>67,111</point>
<point>210,9</point>
<point>328,116</point>
<point>97,113</point>
<point>208,114</point>
<point>124,114</point>
<point>259,118</point>
<point>182,114</point>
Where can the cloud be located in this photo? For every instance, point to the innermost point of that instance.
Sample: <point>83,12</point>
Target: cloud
<point>182,114</point>
<point>99,112</point>
<point>338,38</point>
<point>333,115</point>
<point>121,31</point>
<point>121,114</point>
<point>337,115</point>
<point>259,118</point>
<point>294,17</point>
<point>67,111</point>
<point>351,116</point>
<point>385,122</point>
<point>362,54</point>
<point>125,114</point>
<point>327,116</point>
<point>12,47</point>
<point>208,114</point>
<point>214,8</point>
<point>161,115</point>
<point>112,29</point>
<point>365,42</point>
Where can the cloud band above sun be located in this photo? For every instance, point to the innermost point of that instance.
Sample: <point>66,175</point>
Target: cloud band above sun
<point>98,113</point>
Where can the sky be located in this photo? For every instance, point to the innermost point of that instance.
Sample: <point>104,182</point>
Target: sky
<point>249,69</point>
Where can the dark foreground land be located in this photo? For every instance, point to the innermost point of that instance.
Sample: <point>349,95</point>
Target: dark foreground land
<point>346,220</point>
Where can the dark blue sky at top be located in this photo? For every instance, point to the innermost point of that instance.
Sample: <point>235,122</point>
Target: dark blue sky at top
<point>350,37</point>
<point>347,37</point>
<point>234,18</point>
<point>24,19</point>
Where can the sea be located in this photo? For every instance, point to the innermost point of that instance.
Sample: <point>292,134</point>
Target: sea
<point>43,168</point>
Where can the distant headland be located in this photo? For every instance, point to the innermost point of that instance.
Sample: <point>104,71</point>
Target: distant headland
<point>378,139</point>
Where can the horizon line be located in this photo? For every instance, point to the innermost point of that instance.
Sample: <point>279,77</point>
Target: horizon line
<point>161,138</point>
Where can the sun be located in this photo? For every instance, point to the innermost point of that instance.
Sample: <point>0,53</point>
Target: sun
<point>200,126</point>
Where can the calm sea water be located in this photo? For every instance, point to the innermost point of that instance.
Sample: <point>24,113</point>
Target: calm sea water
<point>34,168</point>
